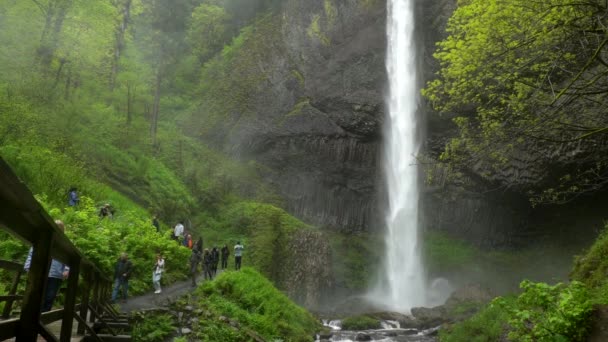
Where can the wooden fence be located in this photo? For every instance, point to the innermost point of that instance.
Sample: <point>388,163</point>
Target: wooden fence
<point>88,288</point>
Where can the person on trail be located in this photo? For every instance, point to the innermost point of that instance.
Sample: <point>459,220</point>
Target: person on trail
<point>225,252</point>
<point>195,258</point>
<point>73,198</point>
<point>159,268</point>
<point>106,211</point>
<point>215,257</point>
<point>122,273</point>
<point>208,263</point>
<point>178,231</point>
<point>188,241</point>
<point>156,223</point>
<point>238,252</point>
<point>57,273</point>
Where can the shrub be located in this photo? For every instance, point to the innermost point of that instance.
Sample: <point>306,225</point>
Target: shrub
<point>102,240</point>
<point>549,313</point>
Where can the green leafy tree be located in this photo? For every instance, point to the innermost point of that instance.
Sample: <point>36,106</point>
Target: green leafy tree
<point>520,74</point>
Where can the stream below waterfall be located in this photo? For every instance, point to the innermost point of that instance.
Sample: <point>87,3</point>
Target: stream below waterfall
<point>390,332</point>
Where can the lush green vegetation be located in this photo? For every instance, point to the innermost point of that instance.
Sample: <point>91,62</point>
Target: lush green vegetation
<point>360,323</point>
<point>97,95</point>
<point>543,312</point>
<point>488,325</point>
<point>249,298</point>
<point>518,76</point>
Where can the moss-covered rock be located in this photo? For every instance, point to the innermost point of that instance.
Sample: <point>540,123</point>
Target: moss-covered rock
<point>362,322</point>
<point>251,302</point>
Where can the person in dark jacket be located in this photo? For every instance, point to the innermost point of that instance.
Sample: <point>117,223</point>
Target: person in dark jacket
<point>225,252</point>
<point>122,273</point>
<point>208,263</point>
<point>215,257</point>
<point>106,211</point>
<point>195,258</point>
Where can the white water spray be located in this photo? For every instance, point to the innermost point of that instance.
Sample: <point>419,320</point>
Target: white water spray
<point>403,279</point>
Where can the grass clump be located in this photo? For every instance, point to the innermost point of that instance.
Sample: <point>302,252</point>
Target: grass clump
<point>487,325</point>
<point>360,323</point>
<point>249,298</point>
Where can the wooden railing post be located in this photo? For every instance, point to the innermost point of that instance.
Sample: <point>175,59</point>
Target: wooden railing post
<point>70,301</point>
<point>8,306</point>
<point>29,320</point>
<point>95,299</point>
<point>85,300</point>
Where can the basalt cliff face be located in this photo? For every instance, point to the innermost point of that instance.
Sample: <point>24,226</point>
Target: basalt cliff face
<point>302,97</point>
<point>312,112</point>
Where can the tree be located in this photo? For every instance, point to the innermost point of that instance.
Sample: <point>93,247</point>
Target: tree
<point>527,78</point>
<point>163,30</point>
<point>208,31</point>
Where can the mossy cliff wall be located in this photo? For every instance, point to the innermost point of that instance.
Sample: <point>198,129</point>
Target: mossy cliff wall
<point>300,92</point>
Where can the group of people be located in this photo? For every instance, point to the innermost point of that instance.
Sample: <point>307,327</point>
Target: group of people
<point>208,259</point>
<point>73,200</point>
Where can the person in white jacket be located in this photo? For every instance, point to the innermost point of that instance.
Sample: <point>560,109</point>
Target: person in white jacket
<point>157,272</point>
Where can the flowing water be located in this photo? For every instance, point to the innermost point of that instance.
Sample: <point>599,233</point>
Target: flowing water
<point>402,284</point>
<point>391,332</point>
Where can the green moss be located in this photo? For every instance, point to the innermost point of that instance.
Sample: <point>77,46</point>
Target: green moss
<point>264,229</point>
<point>361,323</point>
<point>367,4</point>
<point>355,258</point>
<point>249,298</point>
<point>314,31</point>
<point>464,309</point>
<point>442,253</point>
<point>298,75</point>
<point>331,13</point>
<point>297,108</point>
<point>231,79</point>
<point>591,267</point>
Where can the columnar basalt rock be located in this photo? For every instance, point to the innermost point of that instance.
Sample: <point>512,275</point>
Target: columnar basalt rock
<point>313,118</point>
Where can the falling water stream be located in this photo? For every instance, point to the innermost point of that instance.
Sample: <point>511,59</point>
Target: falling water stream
<point>403,285</point>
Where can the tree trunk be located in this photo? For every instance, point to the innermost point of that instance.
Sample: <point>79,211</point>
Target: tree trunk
<point>55,13</point>
<point>129,116</point>
<point>155,107</point>
<point>119,44</point>
<point>68,84</point>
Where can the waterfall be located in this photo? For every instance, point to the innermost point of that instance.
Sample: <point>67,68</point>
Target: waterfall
<point>402,284</point>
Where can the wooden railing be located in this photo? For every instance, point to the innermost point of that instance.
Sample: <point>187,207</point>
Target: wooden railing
<point>23,217</point>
